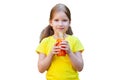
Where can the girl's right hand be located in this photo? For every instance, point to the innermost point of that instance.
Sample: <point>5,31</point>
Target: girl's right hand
<point>55,49</point>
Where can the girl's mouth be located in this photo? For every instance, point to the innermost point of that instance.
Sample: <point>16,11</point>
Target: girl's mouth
<point>60,28</point>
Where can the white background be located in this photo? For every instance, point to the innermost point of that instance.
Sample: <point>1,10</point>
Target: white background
<point>95,22</point>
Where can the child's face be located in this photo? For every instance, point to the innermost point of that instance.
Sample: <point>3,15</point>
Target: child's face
<point>60,22</point>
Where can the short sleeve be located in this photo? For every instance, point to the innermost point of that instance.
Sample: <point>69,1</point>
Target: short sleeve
<point>78,46</point>
<point>41,47</point>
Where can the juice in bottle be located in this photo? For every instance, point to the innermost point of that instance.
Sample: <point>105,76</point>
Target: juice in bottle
<point>59,40</point>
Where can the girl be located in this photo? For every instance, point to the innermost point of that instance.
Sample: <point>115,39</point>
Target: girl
<point>60,67</point>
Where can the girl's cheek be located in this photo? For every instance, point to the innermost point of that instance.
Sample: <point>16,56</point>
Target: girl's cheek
<point>55,23</point>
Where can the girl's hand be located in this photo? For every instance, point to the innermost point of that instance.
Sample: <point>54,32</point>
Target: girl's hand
<point>65,46</point>
<point>55,49</point>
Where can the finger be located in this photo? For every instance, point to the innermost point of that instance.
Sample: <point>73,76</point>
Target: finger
<point>56,49</point>
<point>56,52</point>
<point>63,46</point>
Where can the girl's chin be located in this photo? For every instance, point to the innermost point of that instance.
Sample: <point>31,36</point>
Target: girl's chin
<point>60,31</point>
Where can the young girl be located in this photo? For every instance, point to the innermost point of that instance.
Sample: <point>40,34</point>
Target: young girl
<point>60,67</point>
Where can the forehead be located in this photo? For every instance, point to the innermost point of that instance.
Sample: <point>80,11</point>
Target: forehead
<point>60,14</point>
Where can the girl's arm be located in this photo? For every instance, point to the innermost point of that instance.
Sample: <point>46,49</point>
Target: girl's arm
<point>44,62</point>
<point>76,60</point>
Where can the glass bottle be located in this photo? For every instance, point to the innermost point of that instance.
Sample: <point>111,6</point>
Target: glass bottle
<point>59,40</point>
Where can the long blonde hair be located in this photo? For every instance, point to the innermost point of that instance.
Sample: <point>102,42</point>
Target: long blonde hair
<point>48,31</point>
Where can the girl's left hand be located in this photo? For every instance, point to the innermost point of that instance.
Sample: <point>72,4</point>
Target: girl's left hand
<point>64,45</point>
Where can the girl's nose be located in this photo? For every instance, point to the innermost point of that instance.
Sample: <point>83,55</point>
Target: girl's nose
<point>60,23</point>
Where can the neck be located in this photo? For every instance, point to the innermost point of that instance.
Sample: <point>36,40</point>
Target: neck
<point>56,36</point>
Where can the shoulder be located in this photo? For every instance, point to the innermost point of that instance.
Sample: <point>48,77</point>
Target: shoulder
<point>46,39</point>
<point>75,43</point>
<point>72,37</point>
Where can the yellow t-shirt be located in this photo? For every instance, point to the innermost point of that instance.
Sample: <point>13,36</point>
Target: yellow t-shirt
<point>61,67</point>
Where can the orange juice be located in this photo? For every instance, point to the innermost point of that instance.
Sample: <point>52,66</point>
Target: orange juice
<point>62,52</point>
<point>59,40</point>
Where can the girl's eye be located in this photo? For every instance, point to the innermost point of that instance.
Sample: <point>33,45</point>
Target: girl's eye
<point>56,20</point>
<point>65,20</point>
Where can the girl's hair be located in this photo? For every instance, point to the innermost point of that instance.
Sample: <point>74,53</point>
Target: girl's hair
<point>48,31</point>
